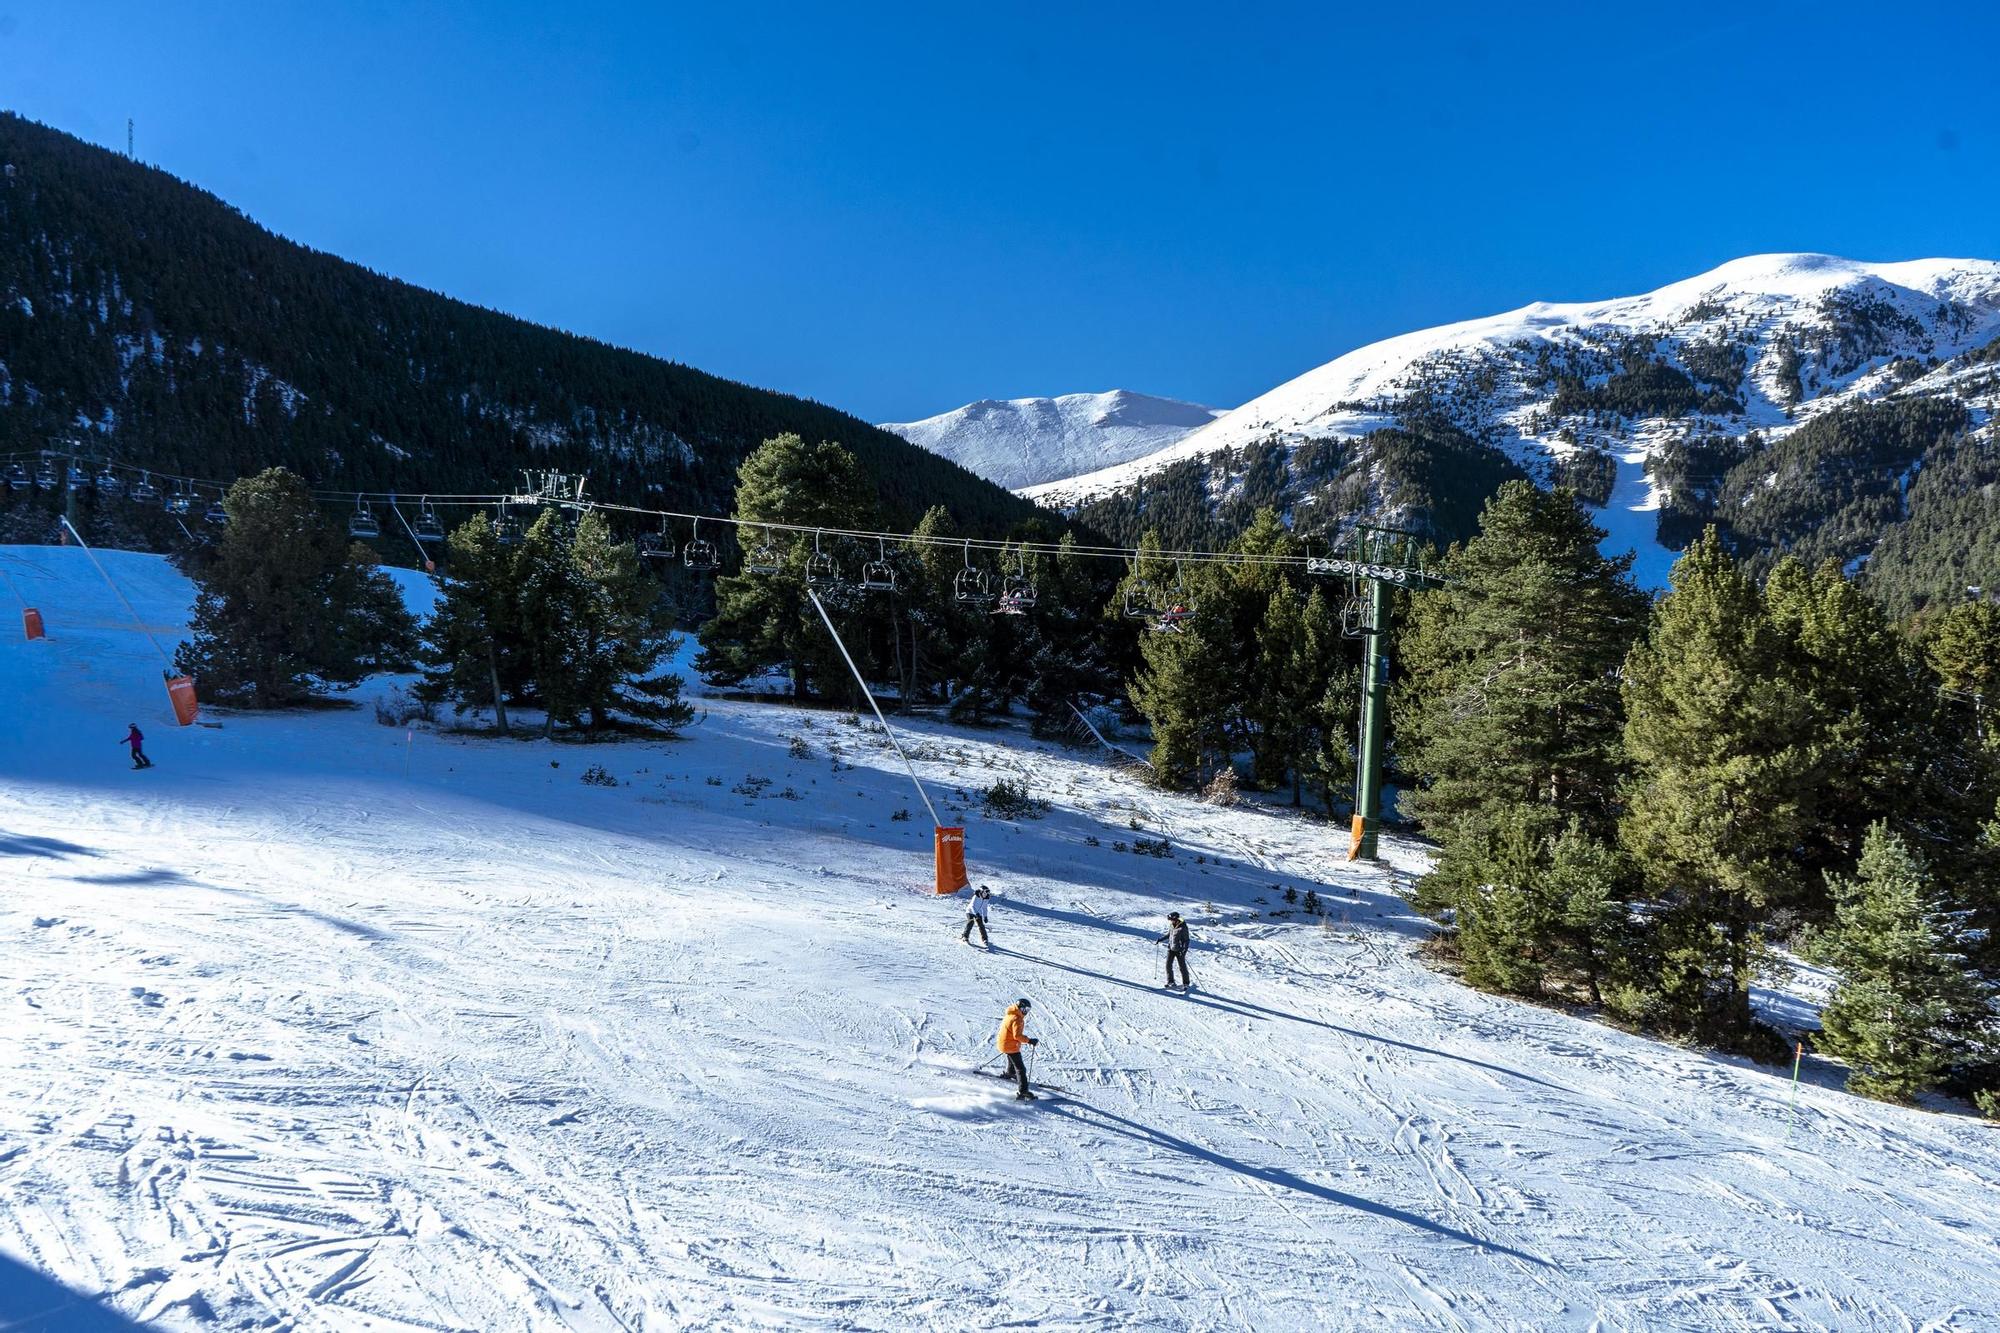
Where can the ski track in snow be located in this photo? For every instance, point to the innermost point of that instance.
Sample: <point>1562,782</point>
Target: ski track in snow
<point>296,1040</point>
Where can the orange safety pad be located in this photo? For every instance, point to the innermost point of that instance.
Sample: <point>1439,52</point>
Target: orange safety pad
<point>180,689</point>
<point>950,860</point>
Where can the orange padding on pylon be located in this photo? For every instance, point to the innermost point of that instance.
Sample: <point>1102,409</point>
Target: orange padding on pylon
<point>950,860</point>
<point>1354,840</point>
<point>181,690</point>
<point>31,620</point>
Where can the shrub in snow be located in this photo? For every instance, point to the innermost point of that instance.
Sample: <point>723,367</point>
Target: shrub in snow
<point>1007,799</point>
<point>595,776</point>
<point>1221,789</point>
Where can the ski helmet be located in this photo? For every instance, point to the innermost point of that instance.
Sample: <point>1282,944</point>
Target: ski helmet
<point>1173,916</point>
<point>1023,1003</point>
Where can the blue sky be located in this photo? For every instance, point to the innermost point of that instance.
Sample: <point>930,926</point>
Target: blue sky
<point>899,208</point>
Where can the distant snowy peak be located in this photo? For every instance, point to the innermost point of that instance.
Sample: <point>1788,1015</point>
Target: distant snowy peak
<point>1026,441</point>
<point>1813,328</point>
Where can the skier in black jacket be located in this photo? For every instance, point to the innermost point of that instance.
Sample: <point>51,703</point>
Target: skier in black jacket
<point>1176,940</point>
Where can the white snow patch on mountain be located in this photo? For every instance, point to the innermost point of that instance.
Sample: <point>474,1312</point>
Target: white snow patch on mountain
<point>1022,441</point>
<point>324,1024</point>
<point>1925,308</point>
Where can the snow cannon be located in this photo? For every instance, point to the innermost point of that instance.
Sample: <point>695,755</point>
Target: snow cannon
<point>31,623</point>
<point>180,689</point>
<point>950,860</point>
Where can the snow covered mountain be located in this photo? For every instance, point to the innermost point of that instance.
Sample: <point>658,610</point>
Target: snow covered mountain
<point>322,1024</point>
<point>1673,404</point>
<point>1023,441</point>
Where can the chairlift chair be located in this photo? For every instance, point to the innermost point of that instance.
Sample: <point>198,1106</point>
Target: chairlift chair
<point>699,554</point>
<point>822,571</point>
<point>658,545</point>
<point>428,527</point>
<point>763,558</point>
<point>17,477</point>
<point>215,513</point>
<point>144,491</point>
<point>108,484</point>
<point>879,575</point>
<point>1177,607</point>
<point>77,478</point>
<point>361,523</point>
<point>970,585</point>
<point>180,500</point>
<point>46,476</point>
<point>1017,596</point>
<point>506,528</point>
<point>1140,603</point>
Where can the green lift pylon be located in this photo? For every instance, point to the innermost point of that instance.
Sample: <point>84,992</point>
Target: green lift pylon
<point>1383,559</point>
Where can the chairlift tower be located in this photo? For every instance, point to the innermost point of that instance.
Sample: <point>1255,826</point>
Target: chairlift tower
<point>1384,559</point>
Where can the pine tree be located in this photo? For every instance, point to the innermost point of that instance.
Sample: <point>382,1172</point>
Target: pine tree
<point>473,649</point>
<point>1720,792</point>
<point>1328,684</point>
<point>284,604</point>
<point>1510,696</point>
<point>765,620</point>
<point>1873,718</point>
<point>1963,647</point>
<point>1277,694</point>
<point>1907,1007</point>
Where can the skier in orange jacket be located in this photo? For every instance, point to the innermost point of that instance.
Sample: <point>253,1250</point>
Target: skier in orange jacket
<point>1010,1041</point>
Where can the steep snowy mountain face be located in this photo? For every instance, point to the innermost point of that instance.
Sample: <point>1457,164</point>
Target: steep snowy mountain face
<point>1694,403</point>
<point>1026,441</point>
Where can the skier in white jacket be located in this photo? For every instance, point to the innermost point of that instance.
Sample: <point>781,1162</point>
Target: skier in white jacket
<point>975,915</point>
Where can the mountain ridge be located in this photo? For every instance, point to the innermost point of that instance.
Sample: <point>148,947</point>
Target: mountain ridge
<point>1020,442</point>
<point>1657,403</point>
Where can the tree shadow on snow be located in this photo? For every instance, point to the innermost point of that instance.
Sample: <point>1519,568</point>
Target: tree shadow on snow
<point>1260,1013</point>
<point>1070,1108</point>
<point>157,875</point>
<point>32,1302</point>
<point>27,844</point>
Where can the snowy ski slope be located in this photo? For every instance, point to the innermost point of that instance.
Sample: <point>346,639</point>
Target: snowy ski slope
<point>318,1025</point>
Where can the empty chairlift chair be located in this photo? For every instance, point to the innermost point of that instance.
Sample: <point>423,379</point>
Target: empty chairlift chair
<point>878,575</point>
<point>46,476</point>
<point>361,523</point>
<point>215,513</point>
<point>108,484</point>
<point>1140,602</point>
<point>969,585</point>
<point>17,478</point>
<point>657,545</point>
<point>77,479</point>
<point>144,491</point>
<point>699,554</point>
<point>763,558</point>
<point>428,527</point>
<point>506,528</point>
<point>821,570</point>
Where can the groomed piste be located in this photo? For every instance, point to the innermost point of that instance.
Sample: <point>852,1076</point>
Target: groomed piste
<point>325,1024</point>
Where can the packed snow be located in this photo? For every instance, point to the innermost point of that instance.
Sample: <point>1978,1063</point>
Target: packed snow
<point>326,1024</point>
<point>1931,307</point>
<point>1023,441</point>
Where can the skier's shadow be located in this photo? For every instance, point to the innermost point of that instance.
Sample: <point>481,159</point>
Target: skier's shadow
<point>1070,1108</point>
<point>43,1305</point>
<point>1258,1013</point>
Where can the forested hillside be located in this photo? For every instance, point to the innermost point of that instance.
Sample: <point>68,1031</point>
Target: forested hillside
<point>145,320</point>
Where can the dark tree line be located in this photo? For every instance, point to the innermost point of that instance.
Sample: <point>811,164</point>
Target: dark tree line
<point>1636,801</point>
